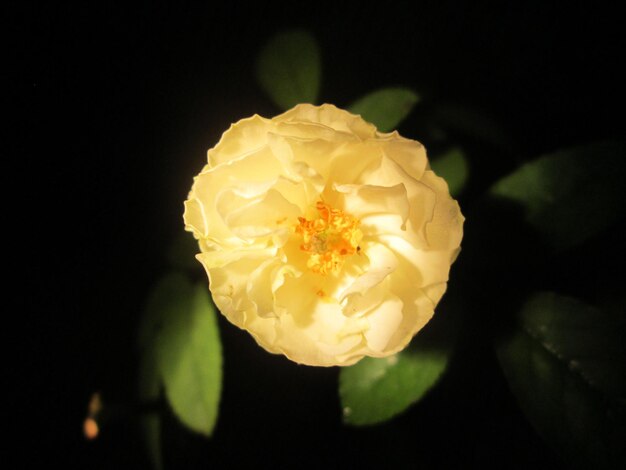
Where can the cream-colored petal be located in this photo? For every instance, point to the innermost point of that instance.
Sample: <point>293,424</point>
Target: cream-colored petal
<point>259,288</point>
<point>410,155</point>
<point>384,322</point>
<point>302,195</point>
<point>228,274</point>
<point>330,116</point>
<point>380,209</point>
<point>435,291</point>
<point>200,215</point>
<point>366,200</point>
<point>445,229</point>
<point>243,137</point>
<point>344,168</point>
<point>304,159</point>
<point>417,311</point>
<point>258,217</point>
<point>311,131</point>
<point>195,218</point>
<point>425,266</point>
<point>382,262</point>
<point>246,177</point>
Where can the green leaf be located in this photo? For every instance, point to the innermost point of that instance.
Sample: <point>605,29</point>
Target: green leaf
<point>565,364</point>
<point>452,166</point>
<point>375,390</point>
<point>188,352</point>
<point>180,353</point>
<point>289,68</point>
<point>571,195</point>
<point>386,108</point>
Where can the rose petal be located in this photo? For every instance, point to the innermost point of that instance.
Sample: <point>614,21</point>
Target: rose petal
<point>330,116</point>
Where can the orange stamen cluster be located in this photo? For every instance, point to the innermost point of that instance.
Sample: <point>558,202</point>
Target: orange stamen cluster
<point>329,239</point>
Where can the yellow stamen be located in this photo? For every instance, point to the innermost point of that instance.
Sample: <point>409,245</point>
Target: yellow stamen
<point>329,239</point>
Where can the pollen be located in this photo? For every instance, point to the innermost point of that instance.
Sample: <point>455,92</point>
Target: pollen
<point>329,238</point>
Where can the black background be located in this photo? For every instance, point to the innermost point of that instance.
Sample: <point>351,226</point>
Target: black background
<point>121,103</point>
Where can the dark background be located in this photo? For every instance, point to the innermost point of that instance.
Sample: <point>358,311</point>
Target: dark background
<point>121,103</point>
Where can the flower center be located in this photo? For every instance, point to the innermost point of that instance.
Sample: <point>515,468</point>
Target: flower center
<point>329,238</point>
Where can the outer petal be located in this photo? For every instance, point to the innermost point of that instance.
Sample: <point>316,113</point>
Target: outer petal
<point>244,137</point>
<point>329,115</point>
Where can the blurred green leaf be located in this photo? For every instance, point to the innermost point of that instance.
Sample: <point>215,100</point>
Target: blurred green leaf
<point>386,108</point>
<point>570,195</point>
<point>375,390</point>
<point>289,68</point>
<point>188,351</point>
<point>565,364</point>
<point>181,350</point>
<point>452,166</point>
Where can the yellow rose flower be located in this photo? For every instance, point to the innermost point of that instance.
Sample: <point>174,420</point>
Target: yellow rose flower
<point>325,239</point>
